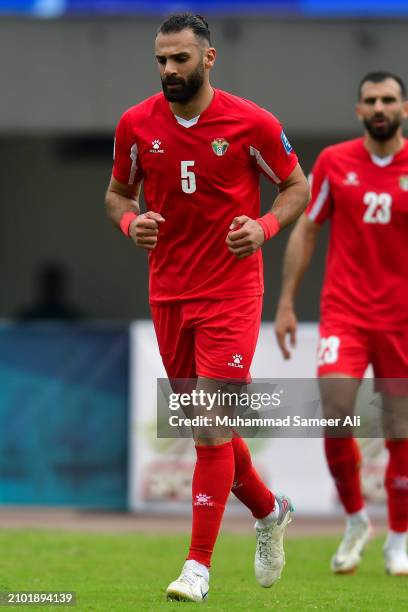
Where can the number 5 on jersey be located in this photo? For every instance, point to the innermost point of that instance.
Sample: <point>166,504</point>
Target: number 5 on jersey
<point>188,179</point>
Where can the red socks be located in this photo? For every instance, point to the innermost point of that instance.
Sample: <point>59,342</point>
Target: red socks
<point>344,459</point>
<point>396,484</point>
<point>218,470</point>
<point>212,482</point>
<point>248,486</point>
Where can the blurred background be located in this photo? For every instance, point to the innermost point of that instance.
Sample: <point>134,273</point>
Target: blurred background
<point>70,68</point>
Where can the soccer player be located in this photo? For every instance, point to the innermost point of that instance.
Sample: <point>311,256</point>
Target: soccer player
<point>199,152</point>
<point>362,186</point>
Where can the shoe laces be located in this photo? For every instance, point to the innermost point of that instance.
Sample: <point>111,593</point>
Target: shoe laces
<point>264,543</point>
<point>189,577</point>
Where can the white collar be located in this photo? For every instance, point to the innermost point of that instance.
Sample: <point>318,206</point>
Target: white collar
<point>381,161</point>
<point>187,123</point>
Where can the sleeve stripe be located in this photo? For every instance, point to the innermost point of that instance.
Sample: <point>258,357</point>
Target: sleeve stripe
<point>262,164</point>
<point>133,157</point>
<point>320,200</point>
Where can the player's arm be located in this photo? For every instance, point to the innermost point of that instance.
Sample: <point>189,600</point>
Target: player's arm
<point>122,207</point>
<point>293,197</point>
<point>289,204</point>
<point>299,250</point>
<point>298,253</point>
<point>120,199</point>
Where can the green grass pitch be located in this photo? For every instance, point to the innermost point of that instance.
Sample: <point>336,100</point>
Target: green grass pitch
<point>131,571</point>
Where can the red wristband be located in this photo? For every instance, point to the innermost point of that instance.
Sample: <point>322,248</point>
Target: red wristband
<point>126,220</point>
<point>269,224</point>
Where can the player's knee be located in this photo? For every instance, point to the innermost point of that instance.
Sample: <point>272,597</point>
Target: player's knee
<point>337,407</point>
<point>395,418</point>
<point>338,396</point>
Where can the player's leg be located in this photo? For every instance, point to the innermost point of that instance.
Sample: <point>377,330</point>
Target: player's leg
<point>225,345</point>
<point>391,369</point>
<point>396,484</point>
<point>343,358</point>
<point>175,336</point>
<point>241,321</point>
<point>213,475</point>
<point>338,392</point>
<point>214,469</point>
<point>248,486</point>
<point>211,485</point>
<point>273,513</point>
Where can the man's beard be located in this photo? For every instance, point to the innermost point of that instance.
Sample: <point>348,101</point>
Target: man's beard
<point>187,88</point>
<point>382,133</point>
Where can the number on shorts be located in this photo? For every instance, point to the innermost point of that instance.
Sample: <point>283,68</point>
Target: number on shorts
<point>188,179</point>
<point>328,351</point>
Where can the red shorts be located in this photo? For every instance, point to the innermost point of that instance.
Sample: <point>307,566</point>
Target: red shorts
<point>210,338</point>
<point>349,350</point>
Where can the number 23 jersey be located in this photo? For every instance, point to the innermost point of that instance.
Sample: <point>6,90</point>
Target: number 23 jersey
<point>199,175</point>
<point>366,199</point>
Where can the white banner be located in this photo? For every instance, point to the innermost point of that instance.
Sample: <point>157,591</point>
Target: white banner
<point>161,469</point>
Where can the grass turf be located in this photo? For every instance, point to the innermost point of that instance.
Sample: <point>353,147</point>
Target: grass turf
<point>131,571</point>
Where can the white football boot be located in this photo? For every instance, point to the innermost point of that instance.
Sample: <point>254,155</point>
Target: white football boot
<point>191,585</point>
<point>396,562</point>
<point>348,555</point>
<point>269,554</point>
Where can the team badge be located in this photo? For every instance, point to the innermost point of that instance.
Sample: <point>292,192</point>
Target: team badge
<point>220,146</point>
<point>403,183</point>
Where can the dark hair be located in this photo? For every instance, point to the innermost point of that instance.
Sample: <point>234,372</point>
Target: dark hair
<point>379,77</point>
<point>181,21</point>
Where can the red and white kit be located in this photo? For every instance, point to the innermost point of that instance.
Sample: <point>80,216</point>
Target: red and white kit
<point>199,175</point>
<point>364,304</point>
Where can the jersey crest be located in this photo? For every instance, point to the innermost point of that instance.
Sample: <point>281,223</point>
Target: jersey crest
<point>403,182</point>
<point>220,146</point>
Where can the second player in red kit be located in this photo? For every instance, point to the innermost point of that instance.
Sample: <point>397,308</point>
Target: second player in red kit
<point>199,152</point>
<point>361,186</point>
<point>365,293</point>
<point>373,192</point>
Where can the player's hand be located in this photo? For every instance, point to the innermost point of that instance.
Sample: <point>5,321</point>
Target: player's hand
<point>245,237</point>
<point>144,230</point>
<point>285,324</point>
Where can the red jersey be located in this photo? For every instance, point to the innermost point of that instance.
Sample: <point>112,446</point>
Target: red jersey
<point>199,175</point>
<point>366,198</point>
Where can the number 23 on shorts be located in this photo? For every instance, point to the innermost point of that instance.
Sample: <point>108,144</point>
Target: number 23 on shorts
<point>328,350</point>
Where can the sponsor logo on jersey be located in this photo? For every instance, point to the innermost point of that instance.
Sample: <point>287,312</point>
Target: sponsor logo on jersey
<point>286,144</point>
<point>403,183</point>
<point>351,179</point>
<point>236,361</point>
<point>220,146</point>
<point>156,146</point>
